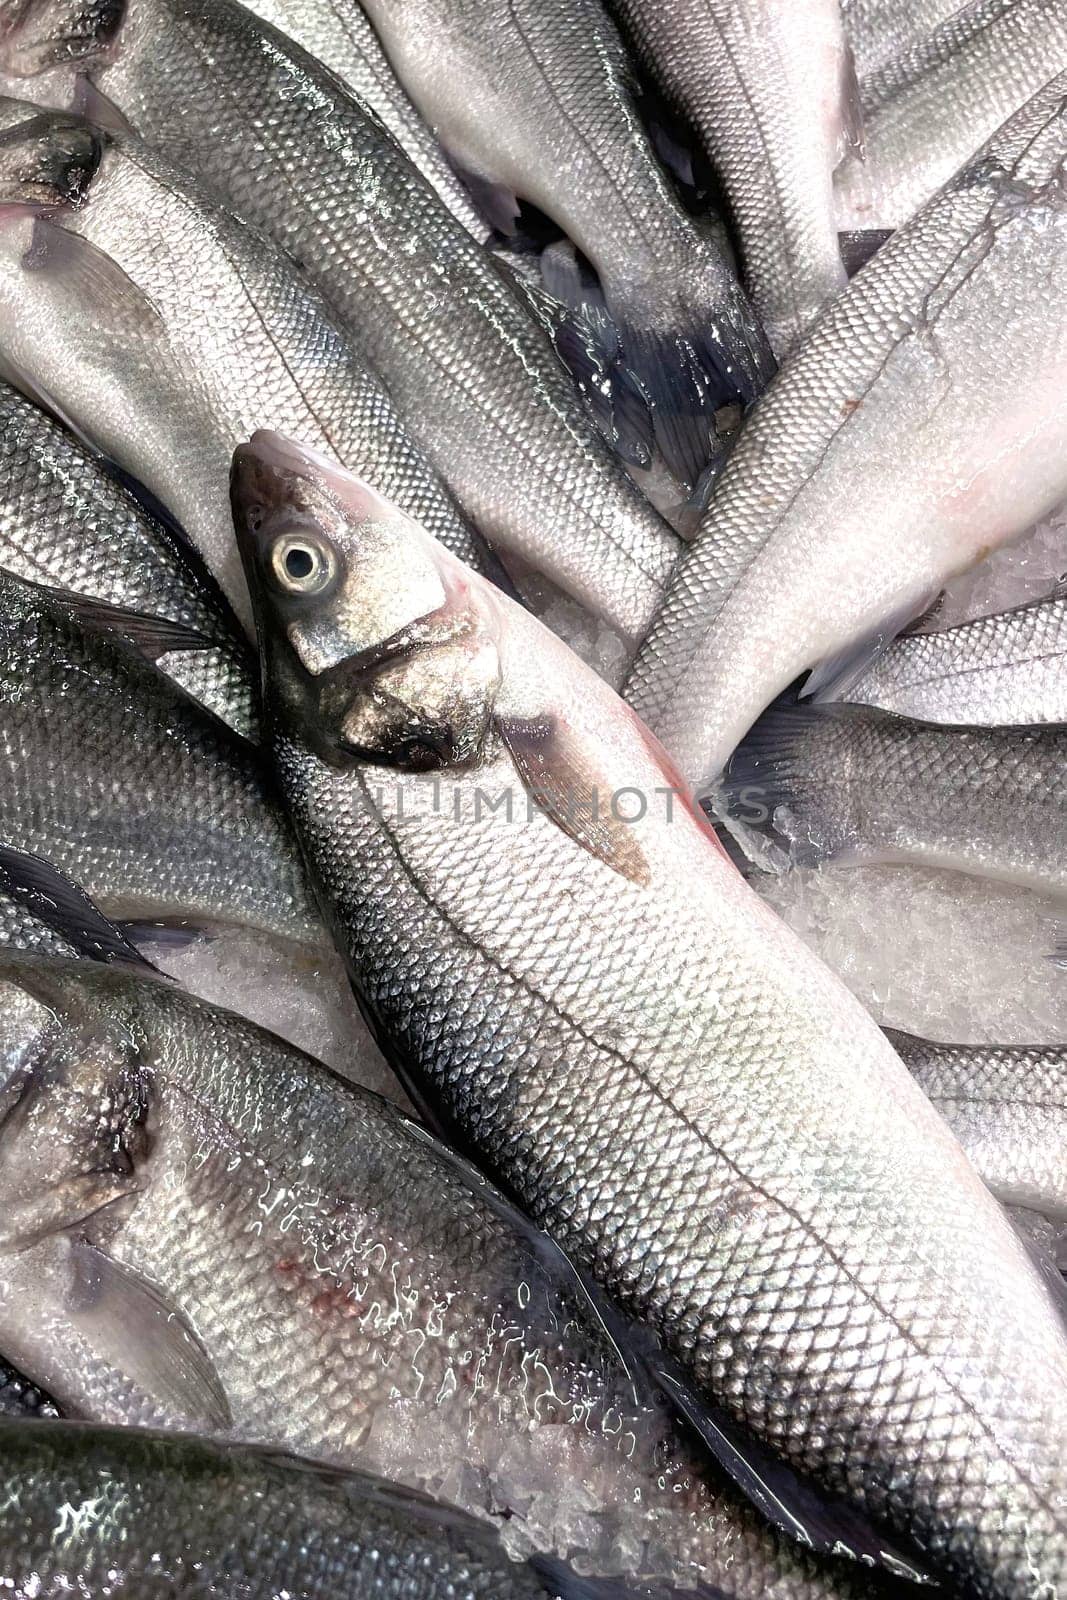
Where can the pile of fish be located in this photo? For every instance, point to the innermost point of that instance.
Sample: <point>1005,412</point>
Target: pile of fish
<point>485,489</point>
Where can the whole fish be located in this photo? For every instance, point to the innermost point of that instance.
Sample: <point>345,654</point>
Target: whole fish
<point>550,944</point>
<point>1008,1109</point>
<point>110,1511</point>
<point>66,523</point>
<point>884,457</point>
<point>96,314</point>
<point>880,30</point>
<point>471,371</point>
<point>339,33</point>
<point>769,91</point>
<point>547,113</point>
<point>851,783</point>
<point>927,112</point>
<point>1009,669</point>
<point>408,1306</point>
<point>155,809</point>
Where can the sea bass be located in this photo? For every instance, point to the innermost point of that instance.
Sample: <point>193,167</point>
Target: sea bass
<point>408,1306</point>
<point>925,113</point>
<point>165,328</point>
<point>107,1510</point>
<point>1008,669</point>
<point>471,371</point>
<point>1007,1107</point>
<point>535,97</point>
<point>110,771</point>
<point>66,523</point>
<point>885,457</point>
<point>552,947</point>
<point>879,30</point>
<point>769,90</point>
<point>851,783</point>
<point>339,33</point>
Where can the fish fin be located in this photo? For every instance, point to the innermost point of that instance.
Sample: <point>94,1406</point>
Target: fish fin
<point>766,789</point>
<point>152,636</point>
<point>563,1583</point>
<point>164,935</point>
<point>851,103</point>
<point>672,152</point>
<point>57,902</point>
<point>95,106</point>
<point>1058,954</point>
<point>730,845</point>
<point>497,203</point>
<point>554,769</point>
<point>837,674</point>
<point>105,291</point>
<point>858,245</point>
<point>149,1339</point>
<point>798,1507</point>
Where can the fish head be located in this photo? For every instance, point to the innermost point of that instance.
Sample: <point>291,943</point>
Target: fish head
<point>40,35</point>
<point>48,159</point>
<point>377,644</point>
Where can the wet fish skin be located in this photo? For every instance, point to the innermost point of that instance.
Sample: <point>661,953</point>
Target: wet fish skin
<point>616,1026</point>
<point>113,774</point>
<point>19,1398</point>
<point>1008,1108</point>
<point>66,523</point>
<point>471,372</point>
<point>536,98</point>
<point>394,1282</point>
<point>880,30</point>
<point>165,1514</point>
<point>839,514</point>
<point>927,112</point>
<point>1008,669</point>
<point>852,783</point>
<point>339,33</point>
<point>768,90</point>
<point>188,374</point>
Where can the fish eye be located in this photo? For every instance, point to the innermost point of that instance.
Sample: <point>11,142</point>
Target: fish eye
<point>303,565</point>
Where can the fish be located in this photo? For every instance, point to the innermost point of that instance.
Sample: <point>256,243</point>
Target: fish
<point>471,371</point>
<point>96,316</point>
<point>100,1508</point>
<point>879,31</point>
<point>927,112</point>
<point>43,912</point>
<point>1006,1106</point>
<point>1009,668</point>
<point>854,784</point>
<point>408,1304</point>
<point>19,1398</point>
<point>548,115</point>
<point>67,523</point>
<point>769,91</point>
<point>154,808</point>
<point>339,33</point>
<point>582,991</point>
<point>883,459</point>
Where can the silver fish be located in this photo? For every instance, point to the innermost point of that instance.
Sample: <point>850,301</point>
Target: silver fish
<point>587,992</point>
<point>109,771</point>
<point>1008,1109</point>
<point>927,112</point>
<point>880,30</point>
<point>107,1510</point>
<point>408,1305</point>
<point>535,97</point>
<point>472,373</point>
<point>1009,669</point>
<point>768,89</point>
<point>850,783</point>
<point>339,33</point>
<point>66,523</point>
<point>885,456</point>
<point>20,1398</point>
<point>101,286</point>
